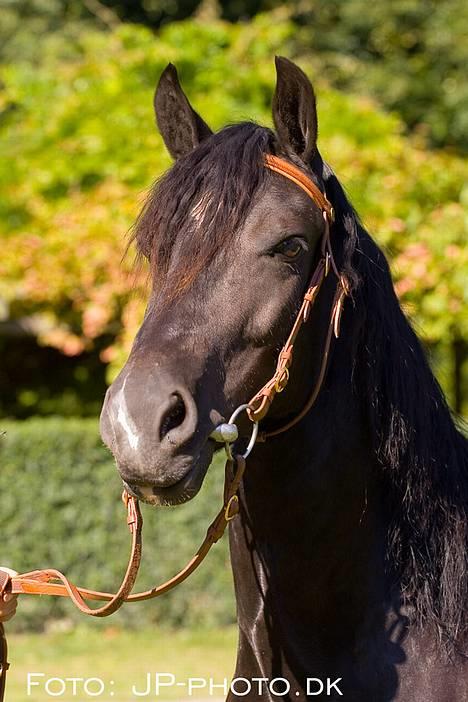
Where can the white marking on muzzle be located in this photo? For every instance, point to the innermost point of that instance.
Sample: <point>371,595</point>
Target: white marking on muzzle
<point>125,420</point>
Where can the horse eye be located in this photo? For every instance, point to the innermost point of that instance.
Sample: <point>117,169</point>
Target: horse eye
<point>290,248</point>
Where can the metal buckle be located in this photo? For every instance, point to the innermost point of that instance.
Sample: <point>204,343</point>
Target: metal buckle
<point>233,500</point>
<point>282,380</point>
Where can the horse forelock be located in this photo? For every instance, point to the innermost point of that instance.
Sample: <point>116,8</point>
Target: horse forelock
<point>200,203</point>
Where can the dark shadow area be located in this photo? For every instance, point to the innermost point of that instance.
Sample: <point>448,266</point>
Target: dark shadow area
<point>40,380</point>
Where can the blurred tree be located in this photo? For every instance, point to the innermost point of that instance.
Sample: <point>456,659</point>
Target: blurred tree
<point>410,54</point>
<point>79,148</point>
<point>25,22</point>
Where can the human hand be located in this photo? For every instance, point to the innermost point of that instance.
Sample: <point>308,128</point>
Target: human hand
<point>8,602</point>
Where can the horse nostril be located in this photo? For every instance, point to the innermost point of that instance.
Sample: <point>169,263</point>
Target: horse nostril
<point>173,417</point>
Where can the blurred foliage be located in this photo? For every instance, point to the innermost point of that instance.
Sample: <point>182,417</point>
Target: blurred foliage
<point>409,54</point>
<point>61,465</point>
<point>79,149</point>
<point>23,22</point>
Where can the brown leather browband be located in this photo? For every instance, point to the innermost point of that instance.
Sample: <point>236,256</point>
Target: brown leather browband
<point>291,172</point>
<point>53,582</point>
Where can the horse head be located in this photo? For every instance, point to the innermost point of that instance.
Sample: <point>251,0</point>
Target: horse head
<point>231,246</point>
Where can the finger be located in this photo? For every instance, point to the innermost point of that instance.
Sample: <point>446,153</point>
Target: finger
<point>8,606</point>
<point>10,615</point>
<point>7,612</point>
<point>10,571</point>
<point>7,596</point>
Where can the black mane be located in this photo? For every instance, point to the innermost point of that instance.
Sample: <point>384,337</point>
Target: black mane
<point>424,458</point>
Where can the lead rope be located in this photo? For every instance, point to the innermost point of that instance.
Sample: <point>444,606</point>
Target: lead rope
<point>53,582</point>
<point>44,582</point>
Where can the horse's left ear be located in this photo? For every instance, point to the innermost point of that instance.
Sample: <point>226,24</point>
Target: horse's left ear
<point>181,127</point>
<point>294,110</point>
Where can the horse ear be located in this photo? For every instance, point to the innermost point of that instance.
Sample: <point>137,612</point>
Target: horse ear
<point>294,110</point>
<point>181,127</point>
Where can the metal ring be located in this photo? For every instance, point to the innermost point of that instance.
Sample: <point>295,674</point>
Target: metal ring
<point>253,437</point>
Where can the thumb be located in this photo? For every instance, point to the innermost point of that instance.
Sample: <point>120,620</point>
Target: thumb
<point>8,596</point>
<point>10,571</point>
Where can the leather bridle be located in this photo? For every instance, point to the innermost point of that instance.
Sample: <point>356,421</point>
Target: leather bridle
<point>53,582</point>
<point>260,403</point>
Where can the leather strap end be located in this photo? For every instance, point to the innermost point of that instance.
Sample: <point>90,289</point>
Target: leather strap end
<point>337,314</point>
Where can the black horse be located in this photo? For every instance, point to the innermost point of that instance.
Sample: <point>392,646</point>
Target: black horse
<point>350,552</point>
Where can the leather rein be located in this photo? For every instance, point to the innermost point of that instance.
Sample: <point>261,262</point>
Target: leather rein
<point>53,582</point>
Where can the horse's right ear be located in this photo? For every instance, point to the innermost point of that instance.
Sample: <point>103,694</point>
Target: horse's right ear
<point>181,127</point>
<point>294,110</point>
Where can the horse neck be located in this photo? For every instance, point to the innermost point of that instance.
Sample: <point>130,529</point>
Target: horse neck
<point>307,552</point>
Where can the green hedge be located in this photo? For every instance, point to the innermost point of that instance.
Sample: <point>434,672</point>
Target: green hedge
<point>60,507</point>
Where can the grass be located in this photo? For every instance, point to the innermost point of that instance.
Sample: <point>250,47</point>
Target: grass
<point>120,659</point>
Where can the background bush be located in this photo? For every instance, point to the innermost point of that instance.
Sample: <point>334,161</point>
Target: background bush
<point>409,54</point>
<point>61,508</point>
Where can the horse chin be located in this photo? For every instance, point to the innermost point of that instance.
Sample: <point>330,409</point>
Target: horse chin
<point>184,489</point>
